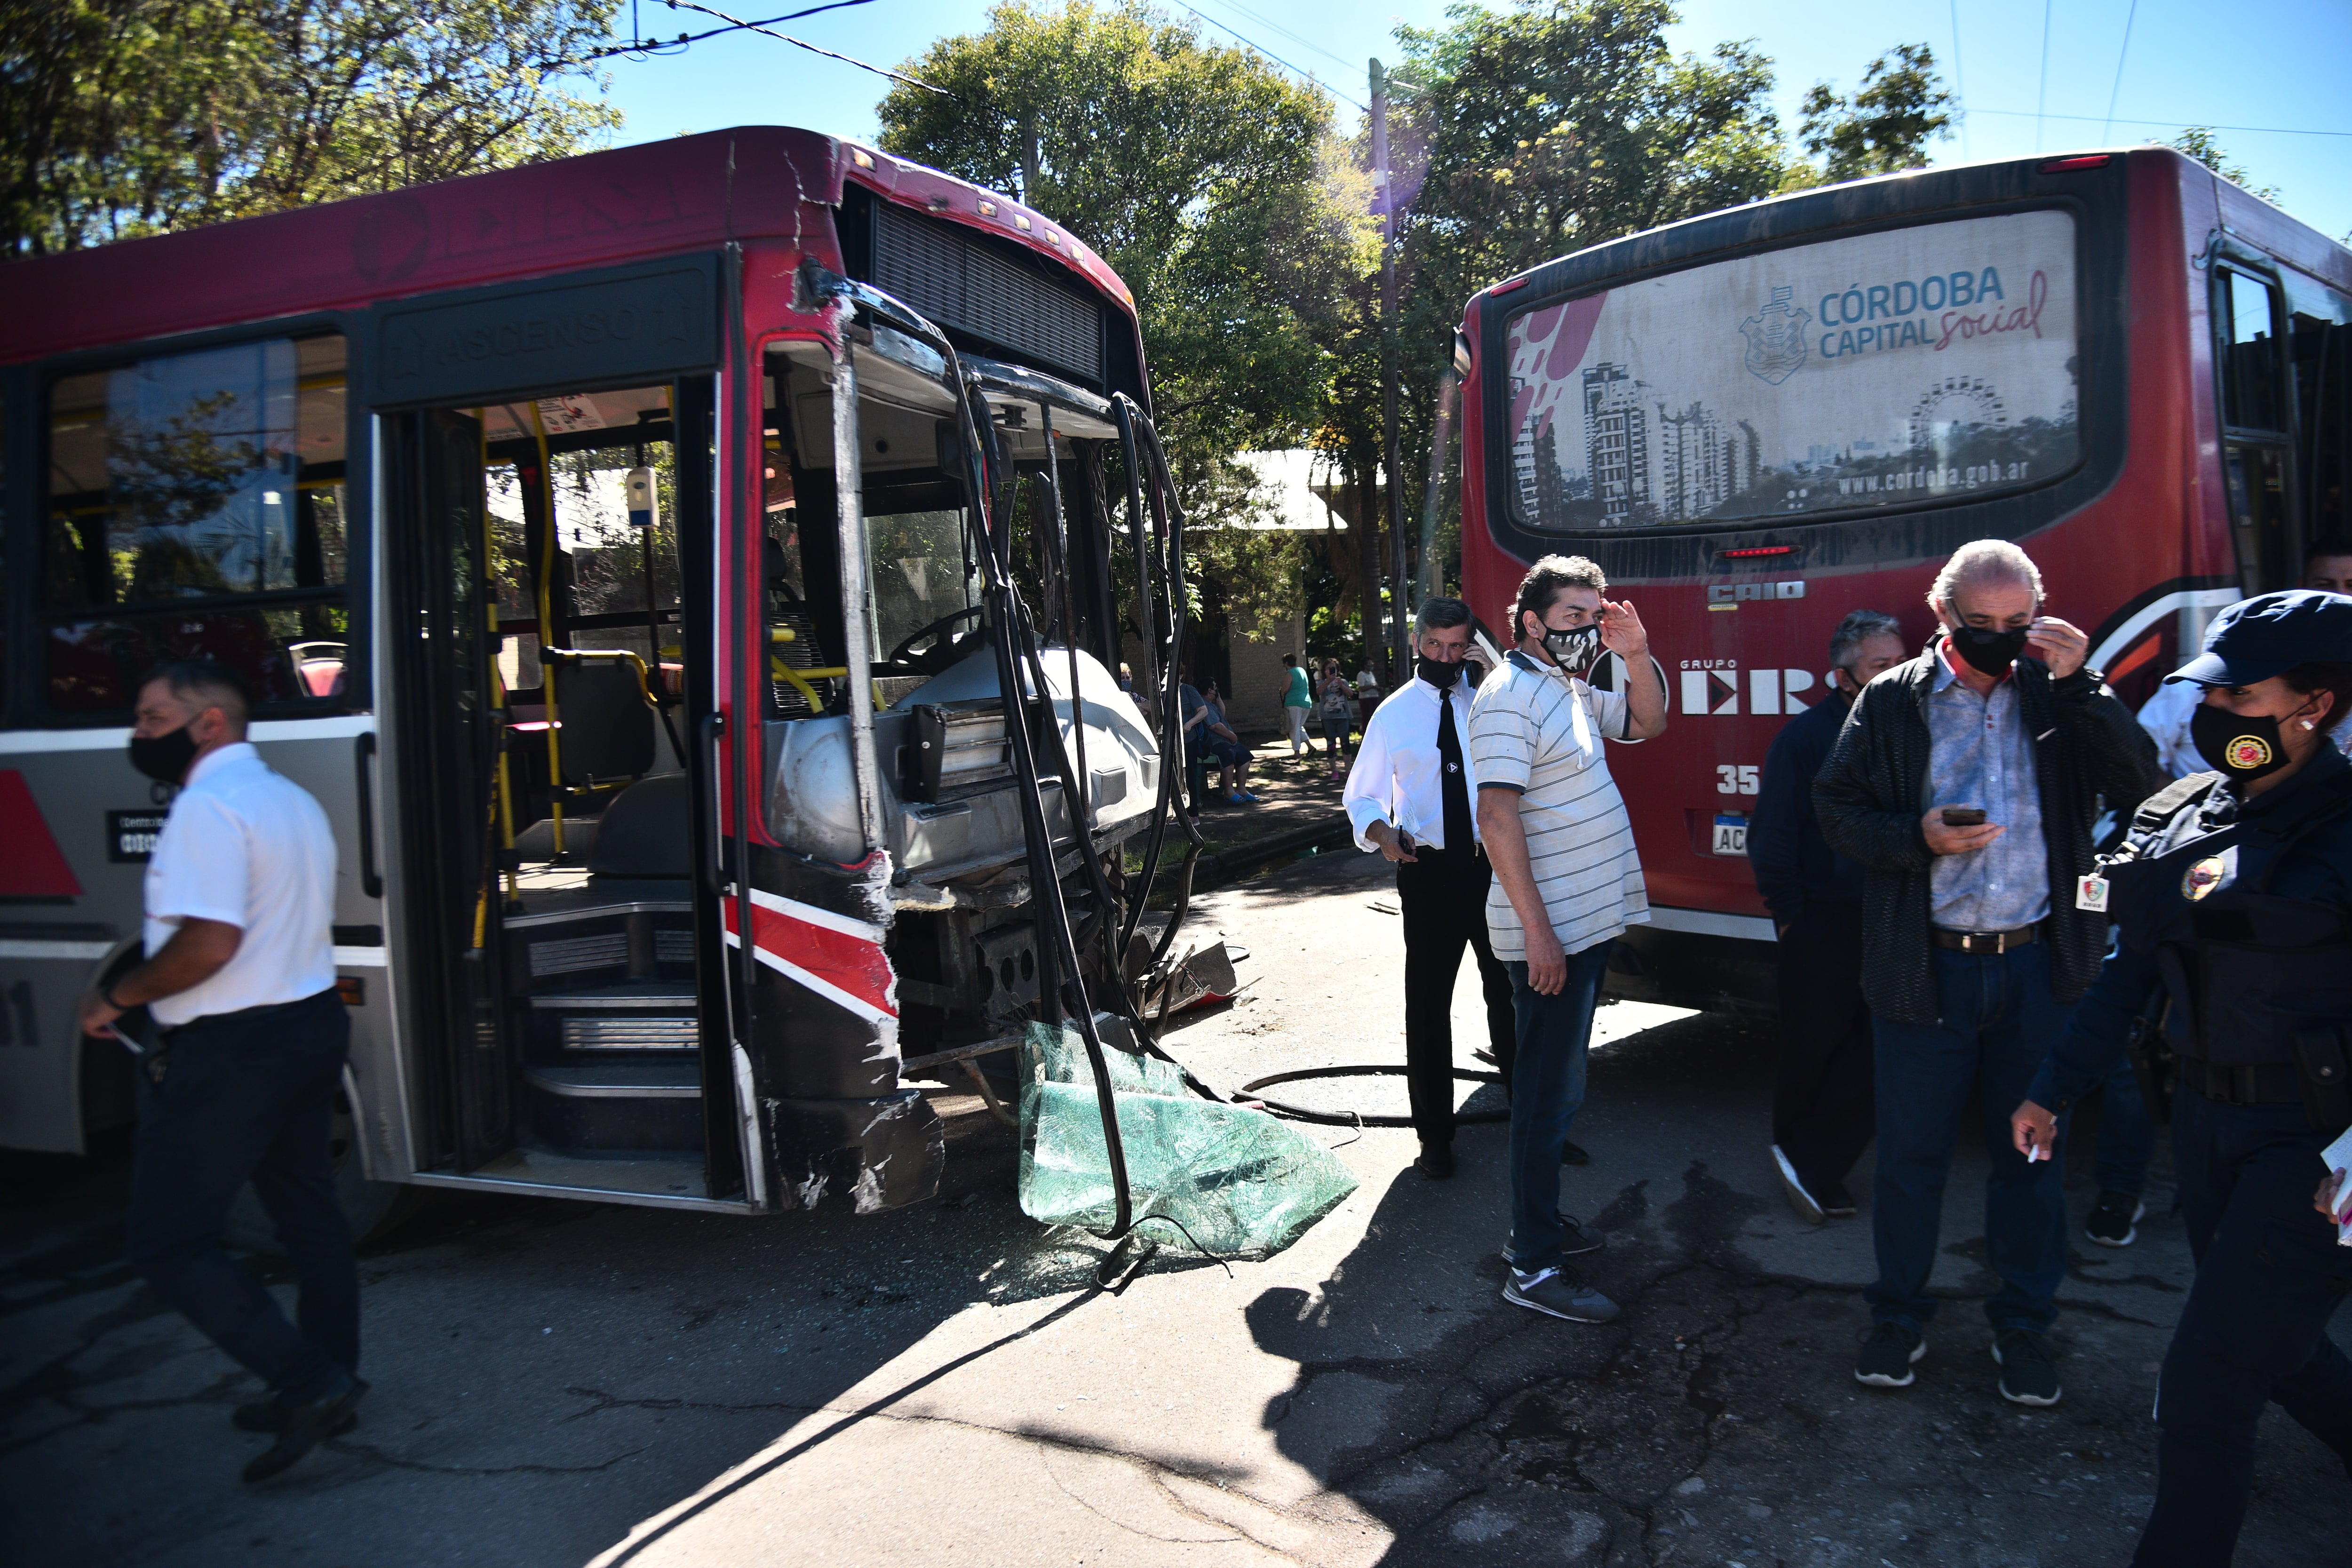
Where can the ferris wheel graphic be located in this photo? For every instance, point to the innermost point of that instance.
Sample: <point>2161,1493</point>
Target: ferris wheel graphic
<point>1957,400</point>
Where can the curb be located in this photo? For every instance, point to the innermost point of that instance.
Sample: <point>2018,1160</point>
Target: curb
<point>1230,865</point>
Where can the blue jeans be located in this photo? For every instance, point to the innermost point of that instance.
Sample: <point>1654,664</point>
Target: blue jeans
<point>1997,1018</point>
<point>2126,1134</point>
<point>242,1099</point>
<point>1555,1035</point>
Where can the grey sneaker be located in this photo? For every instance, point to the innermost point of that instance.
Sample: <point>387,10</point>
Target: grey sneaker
<point>2028,1375</point>
<point>1562,1293</point>
<point>2114,1221</point>
<point>1888,1355</point>
<point>1574,1242</point>
<point>1808,1207</point>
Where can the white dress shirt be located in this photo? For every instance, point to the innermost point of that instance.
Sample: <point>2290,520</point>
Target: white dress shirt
<point>249,848</point>
<point>1398,774</point>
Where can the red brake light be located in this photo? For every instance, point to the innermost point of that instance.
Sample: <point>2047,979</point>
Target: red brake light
<point>1506,287</point>
<point>2068,166</point>
<point>1755,550</point>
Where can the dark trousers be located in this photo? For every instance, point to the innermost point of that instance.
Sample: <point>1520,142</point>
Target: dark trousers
<point>1822,1111</point>
<point>2255,1329</point>
<point>1442,900</point>
<point>2126,1133</point>
<point>1998,1020</point>
<point>250,1098</point>
<point>1547,1091</point>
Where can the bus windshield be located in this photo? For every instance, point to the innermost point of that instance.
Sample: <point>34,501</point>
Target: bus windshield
<point>1870,372</point>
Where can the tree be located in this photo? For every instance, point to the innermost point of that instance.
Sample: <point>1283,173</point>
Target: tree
<point>1886,126</point>
<point>2198,142</point>
<point>130,117</point>
<point>1206,177</point>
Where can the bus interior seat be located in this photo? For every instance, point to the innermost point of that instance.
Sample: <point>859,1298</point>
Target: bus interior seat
<point>647,832</point>
<point>607,718</point>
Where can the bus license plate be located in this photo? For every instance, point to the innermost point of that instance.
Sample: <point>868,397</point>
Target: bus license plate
<point>1731,835</point>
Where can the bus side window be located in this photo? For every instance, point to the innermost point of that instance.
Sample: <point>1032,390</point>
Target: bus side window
<point>2320,358</point>
<point>2249,351</point>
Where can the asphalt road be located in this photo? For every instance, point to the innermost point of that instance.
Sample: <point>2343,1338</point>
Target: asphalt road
<point>565,1384</point>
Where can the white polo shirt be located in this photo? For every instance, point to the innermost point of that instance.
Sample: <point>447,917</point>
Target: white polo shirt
<point>248,847</point>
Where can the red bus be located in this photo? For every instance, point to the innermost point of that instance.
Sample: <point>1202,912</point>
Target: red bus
<point>623,550</point>
<point>1762,418</point>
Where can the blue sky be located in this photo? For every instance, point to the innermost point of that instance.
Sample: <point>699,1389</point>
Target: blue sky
<point>2276,66</point>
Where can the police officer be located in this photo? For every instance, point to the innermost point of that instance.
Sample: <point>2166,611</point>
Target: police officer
<point>2234,896</point>
<point>240,975</point>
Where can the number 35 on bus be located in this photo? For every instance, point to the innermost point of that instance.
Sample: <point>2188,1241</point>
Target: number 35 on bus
<point>1758,420</point>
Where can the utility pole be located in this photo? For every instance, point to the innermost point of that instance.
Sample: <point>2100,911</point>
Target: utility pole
<point>1390,460</point>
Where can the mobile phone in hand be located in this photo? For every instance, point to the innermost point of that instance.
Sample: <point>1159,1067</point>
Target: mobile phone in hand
<point>1964,816</point>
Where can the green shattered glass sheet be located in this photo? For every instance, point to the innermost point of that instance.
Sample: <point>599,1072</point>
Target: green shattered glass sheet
<point>1241,1183</point>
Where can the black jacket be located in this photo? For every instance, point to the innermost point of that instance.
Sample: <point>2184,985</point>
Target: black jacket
<point>1795,867</point>
<point>1871,791</point>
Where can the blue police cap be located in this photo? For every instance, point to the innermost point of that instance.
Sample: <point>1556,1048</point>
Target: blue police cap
<point>2269,634</point>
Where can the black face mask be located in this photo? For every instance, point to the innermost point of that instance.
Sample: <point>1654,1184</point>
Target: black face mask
<point>1441,676</point>
<point>1575,652</point>
<point>165,758</point>
<point>2239,747</point>
<point>1990,652</point>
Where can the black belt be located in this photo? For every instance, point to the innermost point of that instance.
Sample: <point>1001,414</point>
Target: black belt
<point>2268,1083</point>
<point>1985,940</point>
<point>245,1015</point>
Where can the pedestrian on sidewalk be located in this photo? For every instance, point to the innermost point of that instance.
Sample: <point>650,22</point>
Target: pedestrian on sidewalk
<point>1822,1118</point>
<point>1296,701</point>
<point>1567,880</point>
<point>1336,708</point>
<point>1409,797</point>
<point>1966,782</point>
<point>241,1083</point>
<point>1368,696</point>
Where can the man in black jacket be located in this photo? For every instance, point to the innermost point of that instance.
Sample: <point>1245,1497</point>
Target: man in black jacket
<point>1966,782</point>
<point>1822,1095</point>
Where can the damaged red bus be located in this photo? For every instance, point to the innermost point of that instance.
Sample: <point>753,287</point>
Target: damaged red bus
<point>1762,418</point>
<point>623,549</point>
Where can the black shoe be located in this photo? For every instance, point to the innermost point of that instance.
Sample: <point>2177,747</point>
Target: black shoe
<point>2114,1222</point>
<point>2028,1375</point>
<point>305,1425</point>
<point>1808,1207</point>
<point>1887,1357</point>
<point>1837,1203</point>
<point>1570,1154</point>
<point>268,1415</point>
<point>1435,1161</point>
<point>1562,1293</point>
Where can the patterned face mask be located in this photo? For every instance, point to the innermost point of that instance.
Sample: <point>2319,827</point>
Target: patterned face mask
<point>1575,652</point>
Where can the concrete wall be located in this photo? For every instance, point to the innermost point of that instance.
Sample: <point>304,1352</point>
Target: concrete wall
<point>1256,647</point>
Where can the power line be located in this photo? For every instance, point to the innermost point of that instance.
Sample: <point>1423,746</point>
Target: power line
<point>2176,124</point>
<point>2120,55</point>
<point>1960,75</point>
<point>737,25</point>
<point>1277,60</point>
<point>1263,20</point>
<point>2042,98</point>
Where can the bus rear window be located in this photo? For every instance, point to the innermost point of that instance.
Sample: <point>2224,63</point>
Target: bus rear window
<point>1882,371</point>
<point>196,509</point>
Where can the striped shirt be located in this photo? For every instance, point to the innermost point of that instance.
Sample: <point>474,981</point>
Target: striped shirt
<point>1538,732</point>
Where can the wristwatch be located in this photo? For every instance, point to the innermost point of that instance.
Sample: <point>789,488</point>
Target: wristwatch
<point>106,994</point>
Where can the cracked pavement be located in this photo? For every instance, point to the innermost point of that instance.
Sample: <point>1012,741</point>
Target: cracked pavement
<point>565,1384</point>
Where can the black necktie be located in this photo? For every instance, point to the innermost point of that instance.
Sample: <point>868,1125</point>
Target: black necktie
<point>1454,786</point>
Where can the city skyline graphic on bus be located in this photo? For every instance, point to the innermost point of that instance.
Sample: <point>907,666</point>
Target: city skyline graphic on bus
<point>1883,370</point>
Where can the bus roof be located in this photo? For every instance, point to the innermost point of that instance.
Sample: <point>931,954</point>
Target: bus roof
<point>686,192</point>
<point>1690,241</point>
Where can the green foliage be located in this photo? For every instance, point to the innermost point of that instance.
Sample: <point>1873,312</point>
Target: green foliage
<point>2198,142</point>
<point>1885,127</point>
<point>1203,175</point>
<point>120,118</point>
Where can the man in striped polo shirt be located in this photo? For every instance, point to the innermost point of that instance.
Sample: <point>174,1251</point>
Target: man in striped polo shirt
<point>1567,880</point>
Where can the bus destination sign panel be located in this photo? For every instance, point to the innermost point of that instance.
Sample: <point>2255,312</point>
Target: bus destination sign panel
<point>1880,370</point>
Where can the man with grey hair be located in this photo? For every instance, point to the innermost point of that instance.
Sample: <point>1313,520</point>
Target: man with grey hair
<point>1410,795</point>
<point>1966,782</point>
<point>1821,1117</point>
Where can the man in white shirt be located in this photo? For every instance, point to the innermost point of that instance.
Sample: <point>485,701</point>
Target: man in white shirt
<point>1567,880</point>
<point>240,978</point>
<point>1409,796</point>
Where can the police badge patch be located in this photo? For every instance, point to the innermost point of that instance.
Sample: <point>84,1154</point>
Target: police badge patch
<point>2203,877</point>
<point>1776,337</point>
